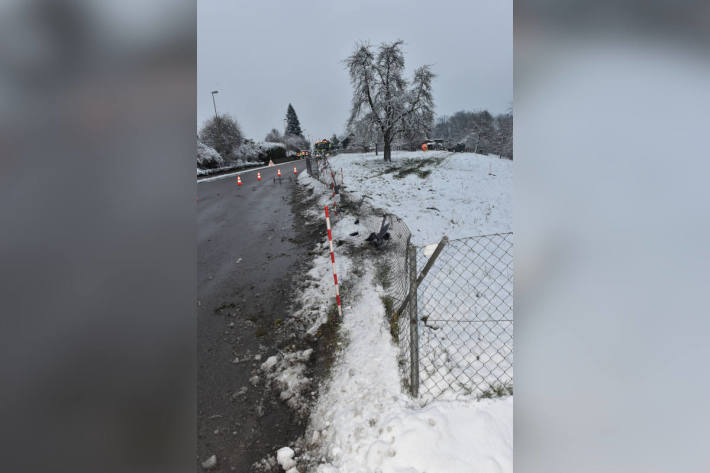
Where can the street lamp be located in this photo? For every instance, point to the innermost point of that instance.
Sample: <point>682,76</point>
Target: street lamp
<point>216,119</point>
<point>214,103</point>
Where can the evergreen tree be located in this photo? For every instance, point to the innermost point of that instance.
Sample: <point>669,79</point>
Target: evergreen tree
<point>335,141</point>
<point>293,127</point>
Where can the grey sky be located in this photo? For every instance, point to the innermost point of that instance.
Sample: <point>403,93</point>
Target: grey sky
<point>261,55</point>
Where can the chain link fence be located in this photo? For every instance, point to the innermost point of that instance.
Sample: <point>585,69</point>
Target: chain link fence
<point>319,168</point>
<point>464,310</point>
<point>449,306</point>
<point>392,236</point>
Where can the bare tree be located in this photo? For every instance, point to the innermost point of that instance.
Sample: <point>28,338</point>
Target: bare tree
<point>295,143</point>
<point>364,133</point>
<point>384,98</point>
<point>479,131</point>
<point>274,136</point>
<point>505,135</point>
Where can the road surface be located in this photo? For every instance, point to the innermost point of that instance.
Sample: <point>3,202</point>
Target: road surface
<point>247,251</point>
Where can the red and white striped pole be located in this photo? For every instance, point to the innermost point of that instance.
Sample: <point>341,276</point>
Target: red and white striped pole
<point>332,260</point>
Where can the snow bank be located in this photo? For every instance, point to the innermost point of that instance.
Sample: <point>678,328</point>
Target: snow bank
<point>364,423</point>
<point>285,458</point>
<point>319,295</point>
<point>232,166</point>
<point>322,192</point>
<point>249,153</point>
<point>209,161</point>
<point>449,437</point>
<point>287,372</point>
<point>317,298</point>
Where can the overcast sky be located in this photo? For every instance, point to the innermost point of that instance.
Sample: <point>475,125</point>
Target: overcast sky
<point>263,55</point>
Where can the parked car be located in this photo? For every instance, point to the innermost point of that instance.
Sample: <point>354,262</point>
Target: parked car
<point>436,144</point>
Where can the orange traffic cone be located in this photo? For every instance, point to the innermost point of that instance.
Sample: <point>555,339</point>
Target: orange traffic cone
<point>271,163</point>
<point>279,173</point>
<point>239,181</point>
<point>294,170</point>
<point>258,176</point>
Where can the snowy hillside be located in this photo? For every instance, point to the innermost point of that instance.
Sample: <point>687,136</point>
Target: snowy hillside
<point>435,192</point>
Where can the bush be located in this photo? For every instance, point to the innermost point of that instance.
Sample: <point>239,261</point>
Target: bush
<point>251,151</point>
<point>221,133</point>
<point>208,157</point>
<point>275,152</point>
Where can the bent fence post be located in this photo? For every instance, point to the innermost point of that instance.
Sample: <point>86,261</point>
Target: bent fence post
<point>424,272</point>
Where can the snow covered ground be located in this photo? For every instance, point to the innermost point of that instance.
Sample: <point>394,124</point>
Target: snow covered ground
<point>363,421</point>
<point>463,194</point>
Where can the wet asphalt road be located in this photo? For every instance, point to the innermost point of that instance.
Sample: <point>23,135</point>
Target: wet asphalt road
<point>246,255</point>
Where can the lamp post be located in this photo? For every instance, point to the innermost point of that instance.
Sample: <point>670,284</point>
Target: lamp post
<point>216,118</point>
<point>214,103</point>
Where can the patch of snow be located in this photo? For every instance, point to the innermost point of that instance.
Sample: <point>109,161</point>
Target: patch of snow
<point>285,458</point>
<point>321,191</point>
<point>269,363</point>
<point>211,462</point>
<point>346,227</point>
<point>317,298</point>
<point>429,250</point>
<point>287,371</point>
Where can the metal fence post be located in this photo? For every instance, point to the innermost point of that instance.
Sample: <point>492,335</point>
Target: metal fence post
<point>413,324</point>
